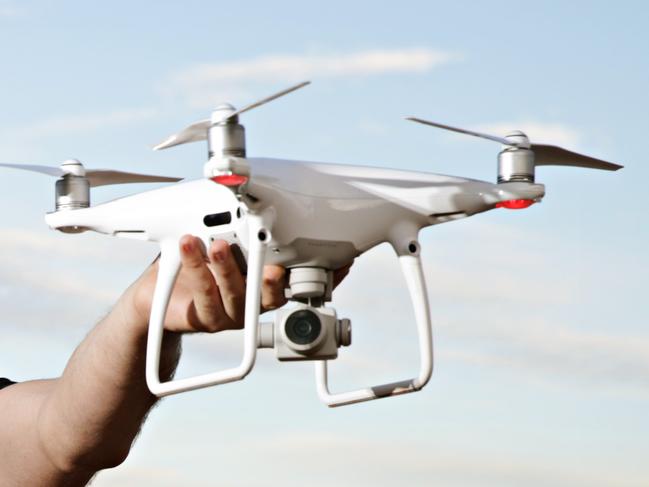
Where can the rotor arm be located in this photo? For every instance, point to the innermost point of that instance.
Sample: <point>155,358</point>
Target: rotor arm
<point>412,270</point>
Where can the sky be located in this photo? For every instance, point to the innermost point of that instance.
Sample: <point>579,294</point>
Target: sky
<point>541,328</point>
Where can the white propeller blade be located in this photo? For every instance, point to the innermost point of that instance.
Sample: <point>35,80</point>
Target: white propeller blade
<point>550,155</point>
<point>57,172</point>
<point>195,132</point>
<point>198,131</point>
<point>263,101</point>
<point>96,177</point>
<point>103,177</point>
<point>544,155</point>
<point>495,138</point>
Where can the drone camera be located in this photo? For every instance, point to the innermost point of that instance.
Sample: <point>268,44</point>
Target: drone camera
<point>303,328</point>
<point>306,333</point>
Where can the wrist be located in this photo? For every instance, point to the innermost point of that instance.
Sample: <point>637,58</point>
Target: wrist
<point>133,321</point>
<point>134,308</point>
<point>132,313</point>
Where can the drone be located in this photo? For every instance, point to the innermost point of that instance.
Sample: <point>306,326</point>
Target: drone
<point>312,218</point>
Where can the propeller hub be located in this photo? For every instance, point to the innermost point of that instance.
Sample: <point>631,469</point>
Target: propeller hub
<point>518,157</point>
<point>518,139</point>
<point>221,113</point>
<point>73,167</point>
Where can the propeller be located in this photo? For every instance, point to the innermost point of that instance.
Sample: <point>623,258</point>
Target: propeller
<point>198,131</point>
<point>544,155</point>
<point>96,177</point>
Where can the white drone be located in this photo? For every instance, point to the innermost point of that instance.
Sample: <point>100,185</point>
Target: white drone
<point>311,218</point>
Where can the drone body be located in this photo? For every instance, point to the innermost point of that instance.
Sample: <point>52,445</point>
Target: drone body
<point>311,218</point>
<point>330,213</point>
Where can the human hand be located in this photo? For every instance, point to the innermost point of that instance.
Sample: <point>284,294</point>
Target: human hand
<point>209,294</point>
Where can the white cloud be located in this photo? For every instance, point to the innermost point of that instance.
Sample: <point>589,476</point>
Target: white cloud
<point>70,284</point>
<point>132,476</point>
<point>9,9</point>
<point>288,67</point>
<point>82,246</point>
<point>481,263</point>
<point>199,82</point>
<point>84,123</point>
<point>86,271</point>
<point>480,320</point>
<point>553,350</point>
<point>385,461</point>
<point>553,354</point>
<point>307,458</point>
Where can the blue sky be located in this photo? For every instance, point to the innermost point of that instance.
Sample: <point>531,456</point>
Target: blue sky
<point>541,329</point>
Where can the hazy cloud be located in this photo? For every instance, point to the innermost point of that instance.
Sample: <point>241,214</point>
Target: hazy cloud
<point>82,246</point>
<point>9,9</point>
<point>79,269</point>
<point>82,123</point>
<point>405,461</point>
<point>199,82</point>
<point>132,476</point>
<point>368,460</point>
<point>553,350</point>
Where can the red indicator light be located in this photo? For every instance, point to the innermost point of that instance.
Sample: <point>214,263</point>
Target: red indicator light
<point>230,179</point>
<point>515,204</point>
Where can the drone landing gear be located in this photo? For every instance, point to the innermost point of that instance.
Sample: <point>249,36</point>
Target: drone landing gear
<point>412,270</point>
<point>311,331</point>
<point>169,266</point>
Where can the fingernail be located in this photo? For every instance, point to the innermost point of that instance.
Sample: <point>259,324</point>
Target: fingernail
<point>187,246</point>
<point>218,256</point>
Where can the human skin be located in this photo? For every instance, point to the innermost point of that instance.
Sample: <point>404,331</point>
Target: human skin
<point>60,432</point>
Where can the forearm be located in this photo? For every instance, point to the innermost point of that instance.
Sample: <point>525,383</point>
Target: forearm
<point>96,409</point>
<point>60,432</point>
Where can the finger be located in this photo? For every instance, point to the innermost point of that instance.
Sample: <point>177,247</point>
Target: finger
<point>272,287</point>
<point>207,313</point>
<point>340,274</point>
<point>229,280</point>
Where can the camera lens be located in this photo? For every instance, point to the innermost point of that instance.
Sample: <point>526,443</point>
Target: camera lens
<point>303,327</point>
